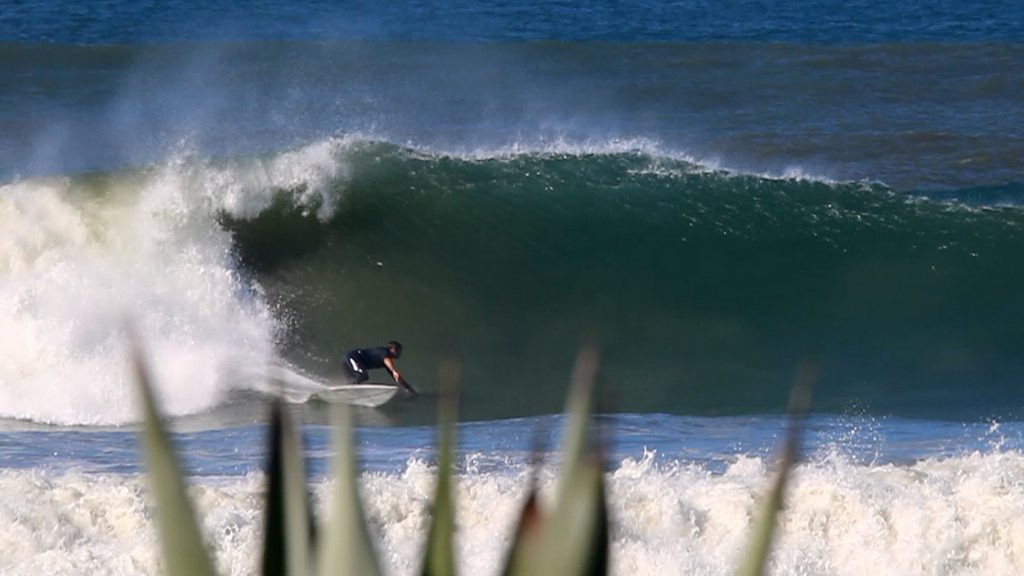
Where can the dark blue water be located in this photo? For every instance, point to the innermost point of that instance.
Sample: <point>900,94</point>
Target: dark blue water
<point>908,93</point>
<point>834,21</point>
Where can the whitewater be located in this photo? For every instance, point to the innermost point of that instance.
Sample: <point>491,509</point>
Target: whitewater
<point>951,516</point>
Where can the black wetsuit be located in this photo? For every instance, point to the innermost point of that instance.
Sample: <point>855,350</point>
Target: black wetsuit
<point>360,360</point>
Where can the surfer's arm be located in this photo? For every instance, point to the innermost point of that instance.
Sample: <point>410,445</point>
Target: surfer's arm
<point>390,365</point>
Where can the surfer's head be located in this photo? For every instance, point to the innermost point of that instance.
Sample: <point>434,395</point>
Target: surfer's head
<point>395,348</point>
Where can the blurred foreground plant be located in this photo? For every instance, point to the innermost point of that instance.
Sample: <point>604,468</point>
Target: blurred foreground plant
<point>569,539</point>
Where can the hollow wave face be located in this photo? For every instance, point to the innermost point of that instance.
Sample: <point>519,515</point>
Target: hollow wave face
<point>705,287</point>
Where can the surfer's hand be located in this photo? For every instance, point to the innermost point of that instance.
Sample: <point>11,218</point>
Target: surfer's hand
<point>408,387</point>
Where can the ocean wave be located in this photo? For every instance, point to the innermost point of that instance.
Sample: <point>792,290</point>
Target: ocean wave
<point>502,258</point>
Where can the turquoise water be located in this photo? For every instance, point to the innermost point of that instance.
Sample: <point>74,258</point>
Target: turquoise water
<point>703,289</point>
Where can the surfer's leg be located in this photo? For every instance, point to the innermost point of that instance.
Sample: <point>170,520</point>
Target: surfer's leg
<point>354,373</point>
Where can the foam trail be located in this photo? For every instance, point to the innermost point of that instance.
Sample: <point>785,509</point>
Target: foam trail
<point>280,378</point>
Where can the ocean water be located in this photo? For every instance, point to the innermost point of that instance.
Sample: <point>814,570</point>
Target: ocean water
<point>712,194</point>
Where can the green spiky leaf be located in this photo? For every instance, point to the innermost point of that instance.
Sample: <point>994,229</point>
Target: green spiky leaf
<point>440,550</point>
<point>756,557</point>
<point>581,516</point>
<point>181,542</point>
<point>526,542</point>
<point>346,548</point>
<point>287,540</point>
<point>574,538</point>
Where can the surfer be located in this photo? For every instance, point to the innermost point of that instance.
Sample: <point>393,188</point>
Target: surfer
<point>361,360</point>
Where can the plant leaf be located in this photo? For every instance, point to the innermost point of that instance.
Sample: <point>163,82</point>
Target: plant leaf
<point>526,540</point>
<point>756,557</point>
<point>526,543</point>
<point>440,550</point>
<point>287,540</point>
<point>345,548</point>
<point>575,535</point>
<point>181,542</point>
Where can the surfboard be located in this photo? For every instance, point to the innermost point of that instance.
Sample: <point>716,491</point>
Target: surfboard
<point>370,395</point>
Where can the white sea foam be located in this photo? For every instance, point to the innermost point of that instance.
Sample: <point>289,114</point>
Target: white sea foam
<point>956,516</point>
<point>560,144</point>
<point>78,257</point>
